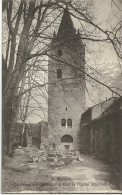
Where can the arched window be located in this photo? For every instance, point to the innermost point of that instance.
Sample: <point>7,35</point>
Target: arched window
<point>63,122</point>
<point>59,74</point>
<point>69,123</point>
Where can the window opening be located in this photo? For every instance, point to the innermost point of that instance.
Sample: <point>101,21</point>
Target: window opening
<point>69,122</point>
<point>63,122</point>
<point>59,73</point>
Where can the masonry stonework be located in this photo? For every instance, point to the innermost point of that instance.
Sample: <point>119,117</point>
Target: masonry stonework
<point>101,130</point>
<point>66,90</point>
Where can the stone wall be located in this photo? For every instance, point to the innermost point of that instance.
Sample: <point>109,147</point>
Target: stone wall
<point>35,134</point>
<point>84,139</point>
<point>44,133</point>
<point>66,95</point>
<point>66,100</point>
<point>98,109</point>
<point>102,136</point>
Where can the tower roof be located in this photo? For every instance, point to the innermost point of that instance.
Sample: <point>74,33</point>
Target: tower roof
<point>66,27</point>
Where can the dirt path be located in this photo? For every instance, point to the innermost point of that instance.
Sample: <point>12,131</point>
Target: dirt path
<point>86,175</point>
<point>89,176</point>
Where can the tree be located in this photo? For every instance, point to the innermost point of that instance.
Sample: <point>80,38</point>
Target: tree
<point>30,102</point>
<point>23,24</point>
<point>28,25</point>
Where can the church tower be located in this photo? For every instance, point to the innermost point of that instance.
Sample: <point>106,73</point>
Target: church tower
<point>66,89</point>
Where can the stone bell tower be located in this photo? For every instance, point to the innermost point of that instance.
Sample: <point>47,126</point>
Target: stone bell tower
<point>66,90</point>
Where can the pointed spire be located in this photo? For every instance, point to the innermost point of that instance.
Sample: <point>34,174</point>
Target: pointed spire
<point>66,27</point>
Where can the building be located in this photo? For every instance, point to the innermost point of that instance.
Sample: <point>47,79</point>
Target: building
<point>101,130</point>
<point>66,89</point>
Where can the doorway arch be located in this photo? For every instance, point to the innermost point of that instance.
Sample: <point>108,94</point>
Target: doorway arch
<point>67,139</point>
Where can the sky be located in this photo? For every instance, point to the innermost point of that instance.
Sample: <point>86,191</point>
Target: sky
<point>105,59</point>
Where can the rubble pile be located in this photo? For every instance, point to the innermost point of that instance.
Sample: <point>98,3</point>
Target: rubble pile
<point>51,158</point>
<point>30,157</point>
<point>58,159</point>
